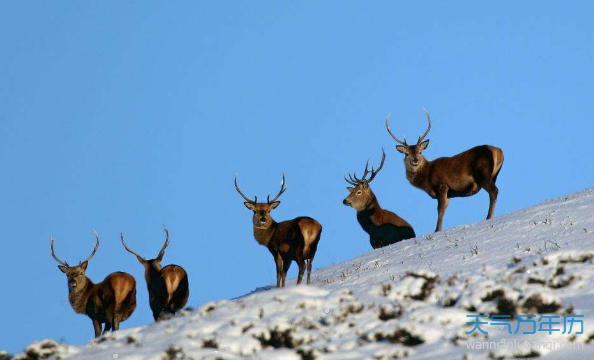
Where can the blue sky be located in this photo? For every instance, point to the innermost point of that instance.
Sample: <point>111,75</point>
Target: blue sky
<point>124,116</point>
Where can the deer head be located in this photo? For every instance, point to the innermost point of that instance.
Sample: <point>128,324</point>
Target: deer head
<point>151,263</point>
<point>413,157</point>
<point>361,194</point>
<point>262,218</point>
<point>77,280</point>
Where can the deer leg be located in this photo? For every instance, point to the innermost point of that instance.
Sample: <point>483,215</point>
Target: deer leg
<point>97,327</point>
<point>301,264</point>
<point>309,271</point>
<point>279,269</point>
<point>156,315</point>
<point>106,328</point>
<point>442,204</point>
<point>493,191</point>
<point>115,323</point>
<point>286,266</point>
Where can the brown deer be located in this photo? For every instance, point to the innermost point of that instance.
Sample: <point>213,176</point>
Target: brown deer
<point>449,177</point>
<point>109,302</point>
<point>291,240</point>
<point>383,226</point>
<point>167,286</point>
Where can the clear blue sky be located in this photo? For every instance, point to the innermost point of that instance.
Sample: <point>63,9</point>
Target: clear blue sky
<point>122,116</point>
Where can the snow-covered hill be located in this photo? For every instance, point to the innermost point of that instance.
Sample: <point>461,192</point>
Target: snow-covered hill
<point>409,300</point>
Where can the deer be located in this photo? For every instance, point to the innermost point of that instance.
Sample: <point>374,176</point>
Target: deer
<point>291,240</point>
<point>444,178</point>
<point>167,286</point>
<point>383,226</point>
<point>109,302</point>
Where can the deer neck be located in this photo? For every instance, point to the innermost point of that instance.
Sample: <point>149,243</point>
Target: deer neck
<point>372,204</point>
<point>365,216</point>
<point>78,299</point>
<point>371,207</point>
<point>264,235</point>
<point>418,176</point>
<point>151,275</point>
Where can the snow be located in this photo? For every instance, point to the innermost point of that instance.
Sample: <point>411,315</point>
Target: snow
<point>408,300</point>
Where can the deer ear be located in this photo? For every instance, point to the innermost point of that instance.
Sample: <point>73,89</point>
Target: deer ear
<point>273,205</point>
<point>424,145</point>
<point>63,268</point>
<point>350,188</point>
<point>84,265</point>
<point>402,149</point>
<point>249,205</point>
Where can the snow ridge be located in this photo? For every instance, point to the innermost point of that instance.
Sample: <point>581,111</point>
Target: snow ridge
<point>408,300</point>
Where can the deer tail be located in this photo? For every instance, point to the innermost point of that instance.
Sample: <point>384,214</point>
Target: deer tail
<point>311,231</point>
<point>497,154</point>
<point>123,289</point>
<point>172,282</point>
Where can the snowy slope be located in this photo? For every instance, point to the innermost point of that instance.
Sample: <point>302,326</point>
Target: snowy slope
<point>407,300</point>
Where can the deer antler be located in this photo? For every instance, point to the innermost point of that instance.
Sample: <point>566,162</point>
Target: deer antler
<point>354,180</point>
<point>374,172</point>
<point>60,261</point>
<point>129,249</point>
<point>243,195</point>
<point>165,245</point>
<point>351,180</point>
<point>402,142</point>
<point>421,138</point>
<point>94,249</point>
<point>282,190</point>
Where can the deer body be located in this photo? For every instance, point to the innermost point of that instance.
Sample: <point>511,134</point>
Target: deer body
<point>167,286</point>
<point>109,302</point>
<point>292,240</point>
<point>384,227</point>
<point>460,175</point>
<point>168,290</point>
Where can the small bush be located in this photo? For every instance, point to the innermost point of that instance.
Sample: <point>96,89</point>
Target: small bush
<point>174,353</point>
<point>531,354</point>
<point>493,294</point>
<point>535,303</point>
<point>210,343</point>
<point>279,339</point>
<point>389,312</point>
<point>307,354</point>
<point>506,306</point>
<point>400,336</point>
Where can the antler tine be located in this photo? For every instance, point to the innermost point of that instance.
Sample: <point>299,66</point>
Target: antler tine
<point>282,190</point>
<point>166,244</point>
<point>421,138</point>
<point>94,249</point>
<point>392,134</point>
<point>374,172</point>
<point>350,181</point>
<point>129,249</point>
<point>60,261</point>
<point>243,195</point>
<point>366,172</point>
